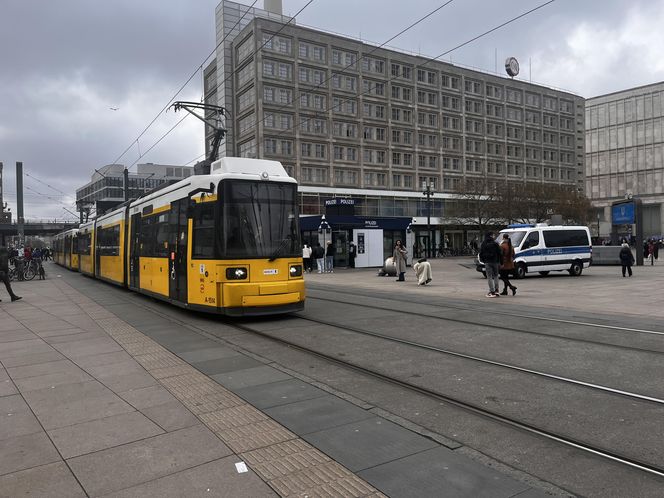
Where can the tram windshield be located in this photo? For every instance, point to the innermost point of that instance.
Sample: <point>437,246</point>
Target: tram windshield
<point>259,220</point>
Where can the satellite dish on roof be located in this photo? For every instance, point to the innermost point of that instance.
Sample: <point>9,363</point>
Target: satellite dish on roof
<point>512,66</point>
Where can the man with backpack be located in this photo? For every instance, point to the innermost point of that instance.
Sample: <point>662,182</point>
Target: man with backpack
<point>318,254</point>
<point>491,256</point>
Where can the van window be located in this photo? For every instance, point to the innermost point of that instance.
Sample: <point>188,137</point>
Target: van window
<point>532,240</point>
<point>566,238</point>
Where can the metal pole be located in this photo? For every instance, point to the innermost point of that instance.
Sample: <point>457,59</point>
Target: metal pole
<point>126,184</point>
<point>19,202</point>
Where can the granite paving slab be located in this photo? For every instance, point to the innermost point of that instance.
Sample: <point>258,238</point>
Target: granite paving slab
<point>247,377</point>
<point>86,437</point>
<point>440,472</point>
<point>135,463</point>
<point>171,416</point>
<point>227,364</point>
<point>200,355</point>
<point>16,418</point>
<point>367,443</point>
<point>317,414</point>
<point>45,481</point>
<point>279,393</point>
<point>29,450</point>
<point>218,478</point>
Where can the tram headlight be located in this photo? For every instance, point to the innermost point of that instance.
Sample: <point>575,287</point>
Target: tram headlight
<point>295,270</point>
<point>236,273</point>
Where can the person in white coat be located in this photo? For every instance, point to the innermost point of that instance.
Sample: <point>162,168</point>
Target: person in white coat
<point>423,271</point>
<point>306,257</point>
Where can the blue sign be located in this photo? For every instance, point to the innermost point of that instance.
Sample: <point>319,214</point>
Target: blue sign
<point>622,214</point>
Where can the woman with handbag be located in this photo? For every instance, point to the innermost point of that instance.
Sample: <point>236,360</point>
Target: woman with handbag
<point>399,256</point>
<point>507,264</point>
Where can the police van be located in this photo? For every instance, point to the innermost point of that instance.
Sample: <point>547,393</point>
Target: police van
<point>542,248</point>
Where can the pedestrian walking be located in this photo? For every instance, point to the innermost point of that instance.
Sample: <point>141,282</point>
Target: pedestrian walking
<point>400,254</point>
<point>318,253</point>
<point>490,255</point>
<point>352,252</point>
<point>626,259</point>
<point>329,257</point>
<point>306,257</point>
<point>651,251</point>
<point>423,271</point>
<point>507,264</point>
<point>4,273</point>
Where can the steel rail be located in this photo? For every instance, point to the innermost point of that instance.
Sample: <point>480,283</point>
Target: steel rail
<point>601,452</point>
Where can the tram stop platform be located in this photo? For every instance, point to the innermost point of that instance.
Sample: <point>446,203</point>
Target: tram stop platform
<point>102,396</point>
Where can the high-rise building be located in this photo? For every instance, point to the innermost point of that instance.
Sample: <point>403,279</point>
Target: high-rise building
<point>230,19</point>
<point>348,119</point>
<point>625,152</point>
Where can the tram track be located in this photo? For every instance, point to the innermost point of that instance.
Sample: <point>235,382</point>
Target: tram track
<point>654,470</point>
<point>468,406</point>
<point>486,361</point>
<point>522,330</point>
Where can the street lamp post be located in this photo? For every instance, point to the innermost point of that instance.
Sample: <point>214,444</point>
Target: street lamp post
<point>428,192</point>
<point>324,228</point>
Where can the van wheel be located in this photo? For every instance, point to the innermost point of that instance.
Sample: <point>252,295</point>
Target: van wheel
<point>544,273</point>
<point>520,270</point>
<point>576,269</point>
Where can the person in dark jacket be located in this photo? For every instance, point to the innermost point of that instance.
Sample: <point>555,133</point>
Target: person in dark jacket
<point>318,254</point>
<point>352,253</point>
<point>4,273</point>
<point>507,264</point>
<point>626,259</point>
<point>491,256</point>
<point>329,257</point>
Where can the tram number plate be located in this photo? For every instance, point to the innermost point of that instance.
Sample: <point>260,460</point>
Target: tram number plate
<point>271,272</point>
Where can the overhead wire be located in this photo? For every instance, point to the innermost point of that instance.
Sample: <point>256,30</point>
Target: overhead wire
<point>226,79</point>
<point>198,68</point>
<point>428,61</point>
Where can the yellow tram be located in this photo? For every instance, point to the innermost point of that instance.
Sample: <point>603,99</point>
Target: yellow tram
<point>65,249</point>
<point>226,242</point>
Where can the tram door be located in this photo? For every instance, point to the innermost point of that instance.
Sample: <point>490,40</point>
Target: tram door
<point>177,248</point>
<point>135,251</point>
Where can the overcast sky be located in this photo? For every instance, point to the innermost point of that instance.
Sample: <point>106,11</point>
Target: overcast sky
<point>65,63</point>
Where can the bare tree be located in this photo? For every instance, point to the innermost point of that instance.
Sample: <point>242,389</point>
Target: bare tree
<point>477,204</point>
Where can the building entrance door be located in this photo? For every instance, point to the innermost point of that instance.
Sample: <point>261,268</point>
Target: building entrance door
<point>340,239</point>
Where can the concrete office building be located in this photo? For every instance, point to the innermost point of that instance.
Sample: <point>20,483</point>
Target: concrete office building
<point>230,19</point>
<point>625,152</point>
<point>106,185</point>
<point>350,120</point>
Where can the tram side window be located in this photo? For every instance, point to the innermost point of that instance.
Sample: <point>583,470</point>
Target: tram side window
<point>155,233</point>
<point>84,243</point>
<point>203,231</point>
<point>108,241</point>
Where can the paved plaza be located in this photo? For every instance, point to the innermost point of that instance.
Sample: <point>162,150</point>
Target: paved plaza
<point>100,398</point>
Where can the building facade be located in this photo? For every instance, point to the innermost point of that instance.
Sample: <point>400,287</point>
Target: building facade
<point>348,119</point>
<point>625,152</point>
<point>230,19</point>
<point>106,185</point>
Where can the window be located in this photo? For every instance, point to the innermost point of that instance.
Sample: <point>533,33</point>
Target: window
<point>372,65</point>
<point>566,238</point>
<point>532,240</point>
<point>108,241</point>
